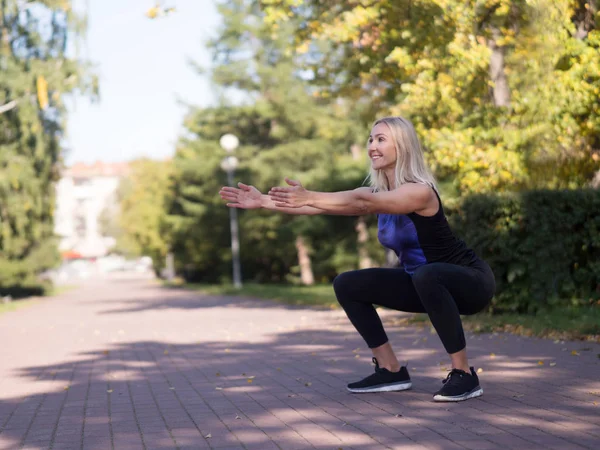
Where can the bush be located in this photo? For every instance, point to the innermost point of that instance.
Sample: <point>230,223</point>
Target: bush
<point>543,246</point>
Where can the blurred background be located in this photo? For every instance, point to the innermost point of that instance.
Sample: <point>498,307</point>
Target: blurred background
<point>112,115</point>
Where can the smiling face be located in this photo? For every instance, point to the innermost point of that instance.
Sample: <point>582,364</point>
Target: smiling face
<point>382,151</point>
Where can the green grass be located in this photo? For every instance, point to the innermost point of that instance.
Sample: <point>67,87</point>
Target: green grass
<point>565,323</point>
<point>17,304</point>
<point>317,295</point>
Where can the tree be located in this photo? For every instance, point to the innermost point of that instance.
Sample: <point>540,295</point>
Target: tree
<point>284,130</point>
<point>502,91</point>
<point>36,74</point>
<point>143,197</point>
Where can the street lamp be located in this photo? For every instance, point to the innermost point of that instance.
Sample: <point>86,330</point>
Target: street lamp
<point>229,143</point>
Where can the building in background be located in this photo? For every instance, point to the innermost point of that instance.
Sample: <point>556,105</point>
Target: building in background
<point>84,193</point>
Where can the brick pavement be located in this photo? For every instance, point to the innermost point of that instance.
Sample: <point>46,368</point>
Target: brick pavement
<point>122,363</point>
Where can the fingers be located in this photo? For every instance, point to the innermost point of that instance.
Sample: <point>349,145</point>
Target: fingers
<point>292,182</point>
<point>244,187</point>
<point>279,196</point>
<point>229,189</point>
<point>280,189</point>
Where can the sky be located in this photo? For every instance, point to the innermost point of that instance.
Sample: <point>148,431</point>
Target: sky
<point>144,71</point>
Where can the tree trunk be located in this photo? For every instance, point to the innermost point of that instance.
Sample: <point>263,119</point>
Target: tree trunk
<point>583,18</point>
<point>391,260</point>
<point>500,90</point>
<point>306,273</point>
<point>364,260</point>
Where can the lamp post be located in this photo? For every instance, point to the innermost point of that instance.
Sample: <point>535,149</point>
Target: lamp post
<point>229,143</point>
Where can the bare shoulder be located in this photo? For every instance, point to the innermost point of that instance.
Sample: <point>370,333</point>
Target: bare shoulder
<point>425,198</point>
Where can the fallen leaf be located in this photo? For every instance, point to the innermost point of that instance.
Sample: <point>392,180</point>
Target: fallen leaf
<point>208,436</point>
<point>307,384</point>
<point>218,374</point>
<point>357,356</point>
<point>166,352</point>
<point>172,388</point>
<point>314,353</point>
<point>105,352</point>
<point>249,380</point>
<point>66,388</point>
<point>227,350</point>
<point>109,391</point>
<point>518,395</point>
<point>218,389</point>
<point>252,377</point>
<point>479,370</point>
<point>237,417</point>
<point>492,355</point>
<point>540,363</point>
<point>574,353</point>
<point>552,364</point>
<point>398,415</point>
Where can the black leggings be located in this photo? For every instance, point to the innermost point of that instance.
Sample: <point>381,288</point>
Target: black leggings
<point>443,291</point>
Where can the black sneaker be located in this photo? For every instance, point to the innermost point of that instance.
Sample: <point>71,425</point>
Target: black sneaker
<point>383,381</point>
<point>459,385</point>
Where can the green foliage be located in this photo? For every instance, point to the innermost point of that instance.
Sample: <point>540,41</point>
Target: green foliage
<point>431,61</point>
<point>284,131</point>
<point>35,75</point>
<point>543,246</point>
<point>142,198</point>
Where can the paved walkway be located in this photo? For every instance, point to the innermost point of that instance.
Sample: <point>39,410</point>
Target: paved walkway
<point>126,364</point>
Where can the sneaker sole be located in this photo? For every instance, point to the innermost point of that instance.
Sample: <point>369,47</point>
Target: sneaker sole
<point>477,392</point>
<point>382,388</point>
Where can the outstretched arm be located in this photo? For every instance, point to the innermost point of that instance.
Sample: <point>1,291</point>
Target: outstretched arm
<point>407,198</point>
<point>248,197</point>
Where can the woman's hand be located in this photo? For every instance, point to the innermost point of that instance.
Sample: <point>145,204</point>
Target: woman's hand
<point>246,197</point>
<point>290,197</point>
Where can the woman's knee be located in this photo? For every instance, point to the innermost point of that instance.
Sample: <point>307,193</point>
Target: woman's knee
<point>341,282</point>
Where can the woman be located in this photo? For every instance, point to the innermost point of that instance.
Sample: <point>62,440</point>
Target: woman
<point>439,274</point>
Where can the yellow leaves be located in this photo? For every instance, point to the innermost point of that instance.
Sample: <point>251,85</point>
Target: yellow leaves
<point>574,353</point>
<point>42,92</point>
<point>540,363</point>
<point>480,370</point>
<point>109,391</point>
<point>401,57</point>
<point>492,355</point>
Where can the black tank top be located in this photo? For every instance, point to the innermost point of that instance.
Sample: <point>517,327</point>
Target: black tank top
<point>419,240</point>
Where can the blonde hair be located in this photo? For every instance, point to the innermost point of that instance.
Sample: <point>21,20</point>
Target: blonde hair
<point>410,163</point>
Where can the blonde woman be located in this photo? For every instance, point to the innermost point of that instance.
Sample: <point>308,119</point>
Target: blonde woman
<point>438,273</point>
